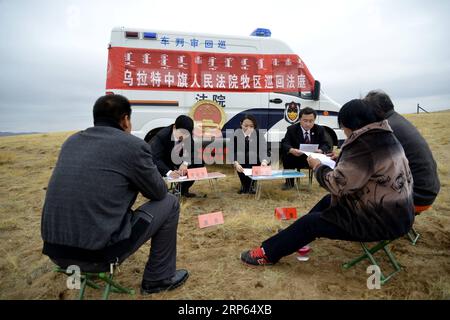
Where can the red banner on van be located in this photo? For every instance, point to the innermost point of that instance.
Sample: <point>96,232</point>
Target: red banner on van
<point>151,69</point>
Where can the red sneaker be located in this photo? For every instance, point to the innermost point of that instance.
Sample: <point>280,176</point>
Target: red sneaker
<point>255,257</point>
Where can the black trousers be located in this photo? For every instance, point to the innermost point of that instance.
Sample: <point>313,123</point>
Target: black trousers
<point>303,231</point>
<point>246,182</point>
<point>292,162</point>
<point>185,186</point>
<point>155,220</point>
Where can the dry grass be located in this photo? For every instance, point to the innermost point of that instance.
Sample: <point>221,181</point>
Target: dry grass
<point>212,254</point>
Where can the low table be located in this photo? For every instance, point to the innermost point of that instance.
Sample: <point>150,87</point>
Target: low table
<point>175,184</point>
<point>276,174</point>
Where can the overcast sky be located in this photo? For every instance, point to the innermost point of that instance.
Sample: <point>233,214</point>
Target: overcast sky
<point>53,54</point>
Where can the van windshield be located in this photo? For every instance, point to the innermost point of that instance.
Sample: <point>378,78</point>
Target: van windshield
<point>304,95</point>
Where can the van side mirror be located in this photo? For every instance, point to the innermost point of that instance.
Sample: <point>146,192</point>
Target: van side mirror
<point>316,92</point>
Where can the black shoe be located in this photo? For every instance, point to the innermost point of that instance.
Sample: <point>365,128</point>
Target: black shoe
<point>177,280</point>
<point>287,186</point>
<point>244,191</point>
<point>188,195</point>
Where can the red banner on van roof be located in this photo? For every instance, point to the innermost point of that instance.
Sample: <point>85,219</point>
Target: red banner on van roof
<point>150,69</point>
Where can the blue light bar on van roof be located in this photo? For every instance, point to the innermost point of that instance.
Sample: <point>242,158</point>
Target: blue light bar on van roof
<point>150,35</point>
<point>261,32</point>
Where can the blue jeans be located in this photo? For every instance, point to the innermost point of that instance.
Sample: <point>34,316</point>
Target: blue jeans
<point>303,231</point>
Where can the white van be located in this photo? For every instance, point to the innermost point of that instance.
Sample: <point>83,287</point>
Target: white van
<point>215,79</point>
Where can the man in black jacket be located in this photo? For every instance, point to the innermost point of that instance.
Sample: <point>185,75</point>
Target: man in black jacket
<point>421,162</point>
<point>87,218</point>
<point>172,149</point>
<point>303,132</point>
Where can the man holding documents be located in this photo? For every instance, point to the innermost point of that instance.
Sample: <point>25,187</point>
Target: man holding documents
<point>300,137</point>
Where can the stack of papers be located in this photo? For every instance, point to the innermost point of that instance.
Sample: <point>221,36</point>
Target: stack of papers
<point>323,158</point>
<point>179,178</point>
<point>308,147</point>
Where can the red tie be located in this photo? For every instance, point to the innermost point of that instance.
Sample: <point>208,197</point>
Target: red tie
<point>307,138</point>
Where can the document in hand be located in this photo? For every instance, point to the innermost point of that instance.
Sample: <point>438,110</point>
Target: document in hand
<point>308,147</point>
<point>323,158</point>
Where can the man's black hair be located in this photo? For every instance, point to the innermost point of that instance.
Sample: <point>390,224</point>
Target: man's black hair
<point>380,101</point>
<point>111,107</point>
<point>184,122</point>
<point>356,114</point>
<point>308,110</point>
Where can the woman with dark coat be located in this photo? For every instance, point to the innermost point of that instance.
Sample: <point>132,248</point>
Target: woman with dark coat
<point>370,191</point>
<point>249,147</point>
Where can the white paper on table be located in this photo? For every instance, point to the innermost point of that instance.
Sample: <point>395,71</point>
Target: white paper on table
<point>323,158</point>
<point>179,178</point>
<point>248,172</point>
<point>309,147</point>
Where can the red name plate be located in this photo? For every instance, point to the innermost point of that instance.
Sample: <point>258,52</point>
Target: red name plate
<point>262,171</point>
<point>285,213</point>
<point>210,219</point>
<point>197,173</point>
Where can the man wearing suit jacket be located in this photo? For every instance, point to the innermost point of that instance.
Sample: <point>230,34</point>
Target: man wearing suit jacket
<point>303,132</point>
<point>421,162</point>
<point>87,218</point>
<point>171,149</point>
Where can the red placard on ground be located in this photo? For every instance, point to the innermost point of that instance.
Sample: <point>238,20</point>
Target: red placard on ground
<point>197,173</point>
<point>286,213</point>
<point>210,219</point>
<point>261,171</point>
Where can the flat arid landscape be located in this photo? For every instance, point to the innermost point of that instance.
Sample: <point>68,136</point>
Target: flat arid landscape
<point>212,254</point>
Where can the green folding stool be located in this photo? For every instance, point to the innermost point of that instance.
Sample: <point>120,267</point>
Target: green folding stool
<point>87,279</point>
<point>369,254</point>
<point>413,236</point>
